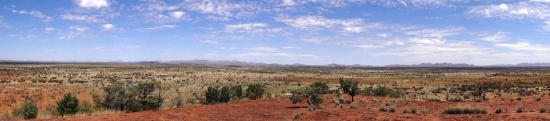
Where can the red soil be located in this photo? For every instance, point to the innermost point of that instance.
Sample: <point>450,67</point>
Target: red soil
<point>364,108</point>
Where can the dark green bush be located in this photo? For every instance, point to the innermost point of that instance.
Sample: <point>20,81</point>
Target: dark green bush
<point>28,110</point>
<point>255,91</point>
<point>67,105</point>
<point>319,87</point>
<point>225,95</point>
<point>382,91</point>
<point>237,92</point>
<point>212,95</point>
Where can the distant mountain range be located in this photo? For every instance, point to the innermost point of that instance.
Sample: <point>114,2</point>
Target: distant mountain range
<point>242,63</point>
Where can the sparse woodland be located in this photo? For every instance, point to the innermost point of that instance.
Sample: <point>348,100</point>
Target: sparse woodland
<point>29,91</point>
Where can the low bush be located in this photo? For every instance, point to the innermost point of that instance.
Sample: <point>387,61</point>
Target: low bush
<point>255,91</point>
<point>498,111</point>
<point>464,109</point>
<point>67,105</point>
<point>520,109</point>
<point>28,110</point>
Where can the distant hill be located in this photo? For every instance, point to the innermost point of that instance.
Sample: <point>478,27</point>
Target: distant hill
<point>435,65</point>
<point>233,63</point>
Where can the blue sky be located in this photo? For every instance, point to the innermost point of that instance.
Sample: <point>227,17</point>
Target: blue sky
<point>367,32</point>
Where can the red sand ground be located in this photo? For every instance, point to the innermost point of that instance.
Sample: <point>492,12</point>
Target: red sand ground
<point>365,109</point>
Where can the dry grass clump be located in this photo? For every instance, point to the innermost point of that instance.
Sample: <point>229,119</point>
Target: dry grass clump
<point>464,109</point>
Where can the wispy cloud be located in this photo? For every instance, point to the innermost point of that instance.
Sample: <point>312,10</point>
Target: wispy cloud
<point>496,37</point>
<point>320,22</point>
<point>523,46</point>
<point>223,10</point>
<point>160,12</point>
<point>159,27</point>
<point>37,14</point>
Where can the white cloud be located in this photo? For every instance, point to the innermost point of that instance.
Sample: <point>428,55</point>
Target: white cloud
<point>159,27</point>
<point>503,7</point>
<point>50,29</point>
<point>531,10</point>
<point>524,46</point>
<point>369,46</point>
<point>443,50</point>
<point>277,54</point>
<point>251,28</point>
<point>37,14</point>
<point>131,46</point>
<point>221,9</point>
<point>209,42</point>
<point>178,14</point>
<point>497,37</point>
<point>438,33</point>
<point>160,12</point>
<point>324,3</point>
<point>520,10</point>
<point>84,18</point>
<point>288,3</point>
<point>418,3</point>
<point>384,35</point>
<point>264,49</point>
<point>92,3</point>
<point>77,32</point>
<point>107,27</point>
<point>427,41</point>
<point>544,1</point>
<point>79,28</point>
<point>319,22</point>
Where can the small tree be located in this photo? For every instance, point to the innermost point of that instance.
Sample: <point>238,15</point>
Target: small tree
<point>255,91</point>
<point>115,95</point>
<point>212,95</point>
<point>28,110</point>
<point>319,87</point>
<point>237,92</point>
<point>225,95</point>
<point>309,93</point>
<point>67,105</point>
<point>349,87</point>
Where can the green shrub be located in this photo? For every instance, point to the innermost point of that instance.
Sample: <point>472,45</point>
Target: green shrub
<point>67,105</point>
<point>319,87</point>
<point>396,94</point>
<point>225,95</point>
<point>212,95</point>
<point>255,91</point>
<point>85,107</point>
<point>542,110</point>
<point>367,91</point>
<point>28,110</point>
<point>237,92</point>
<point>382,91</point>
